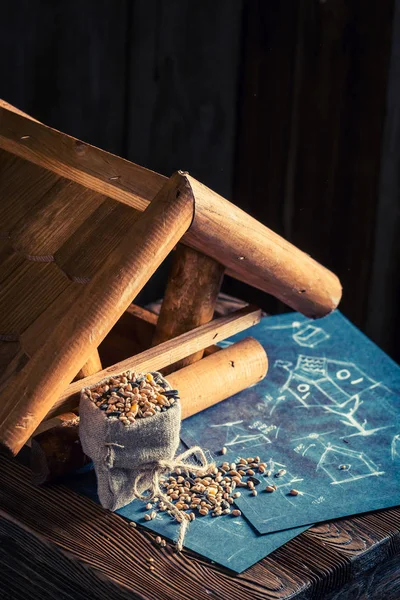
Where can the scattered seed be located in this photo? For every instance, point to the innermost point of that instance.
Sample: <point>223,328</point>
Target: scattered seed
<point>254,492</point>
<point>280,473</point>
<point>294,492</point>
<point>344,467</point>
<point>158,540</point>
<point>163,543</point>
<point>132,524</point>
<point>149,506</point>
<point>236,513</point>
<point>224,450</point>
<point>270,488</point>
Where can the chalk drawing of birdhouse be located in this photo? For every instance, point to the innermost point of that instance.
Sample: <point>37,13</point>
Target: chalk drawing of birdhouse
<point>309,335</point>
<point>325,379</point>
<point>343,465</point>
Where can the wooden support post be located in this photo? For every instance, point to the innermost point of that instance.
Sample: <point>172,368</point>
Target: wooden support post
<point>57,451</point>
<point>91,366</point>
<point>193,285</point>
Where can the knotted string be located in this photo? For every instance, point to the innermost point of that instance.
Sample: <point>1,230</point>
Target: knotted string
<point>152,472</point>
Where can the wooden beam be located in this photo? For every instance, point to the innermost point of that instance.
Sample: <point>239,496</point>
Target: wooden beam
<point>189,301</point>
<point>29,391</point>
<point>164,354</point>
<point>248,250</point>
<point>57,451</point>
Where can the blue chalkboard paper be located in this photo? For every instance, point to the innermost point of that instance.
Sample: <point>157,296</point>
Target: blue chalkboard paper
<point>328,413</point>
<point>228,541</point>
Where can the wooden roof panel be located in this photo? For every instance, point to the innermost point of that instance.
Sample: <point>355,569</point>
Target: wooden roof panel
<point>87,248</point>
<point>22,185</point>
<point>26,294</point>
<point>48,223</point>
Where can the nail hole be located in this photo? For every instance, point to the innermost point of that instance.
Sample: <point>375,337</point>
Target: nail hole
<point>232,363</point>
<point>302,291</point>
<point>178,193</point>
<point>214,336</point>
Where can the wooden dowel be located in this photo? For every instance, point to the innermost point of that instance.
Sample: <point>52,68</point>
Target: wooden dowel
<point>249,251</point>
<point>220,375</point>
<point>164,354</point>
<point>91,366</point>
<point>30,389</point>
<point>189,301</point>
<point>57,451</point>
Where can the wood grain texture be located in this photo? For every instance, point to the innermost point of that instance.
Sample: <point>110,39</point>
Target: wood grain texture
<point>28,390</point>
<point>46,572</point>
<point>310,150</point>
<point>91,366</point>
<point>231,370</point>
<point>249,250</point>
<point>164,354</point>
<point>99,543</point>
<point>193,285</point>
<point>256,255</point>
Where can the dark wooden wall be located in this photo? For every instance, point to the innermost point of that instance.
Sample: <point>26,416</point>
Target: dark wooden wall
<point>289,107</point>
<point>309,153</point>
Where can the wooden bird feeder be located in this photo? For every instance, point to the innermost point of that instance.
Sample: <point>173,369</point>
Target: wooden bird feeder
<point>81,232</point>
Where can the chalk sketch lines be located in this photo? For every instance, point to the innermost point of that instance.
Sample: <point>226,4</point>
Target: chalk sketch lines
<point>340,388</point>
<point>304,333</point>
<point>349,419</point>
<point>343,465</point>
<point>238,434</point>
<point>313,435</point>
<point>395,447</point>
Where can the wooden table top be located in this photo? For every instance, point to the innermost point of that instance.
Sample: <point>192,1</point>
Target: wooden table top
<point>55,544</point>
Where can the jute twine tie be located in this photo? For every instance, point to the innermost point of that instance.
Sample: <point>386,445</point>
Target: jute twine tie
<point>151,472</point>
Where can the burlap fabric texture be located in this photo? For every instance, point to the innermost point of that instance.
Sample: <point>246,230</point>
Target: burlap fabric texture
<point>125,457</point>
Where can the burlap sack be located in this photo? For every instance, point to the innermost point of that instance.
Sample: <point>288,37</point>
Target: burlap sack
<point>121,453</point>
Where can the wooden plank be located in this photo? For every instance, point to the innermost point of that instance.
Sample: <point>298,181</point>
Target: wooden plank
<point>249,250</point>
<point>186,119</point>
<point>47,572</point>
<point>304,568</point>
<point>189,301</point>
<point>164,354</point>
<point>383,320</point>
<point>84,252</point>
<point>28,389</point>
